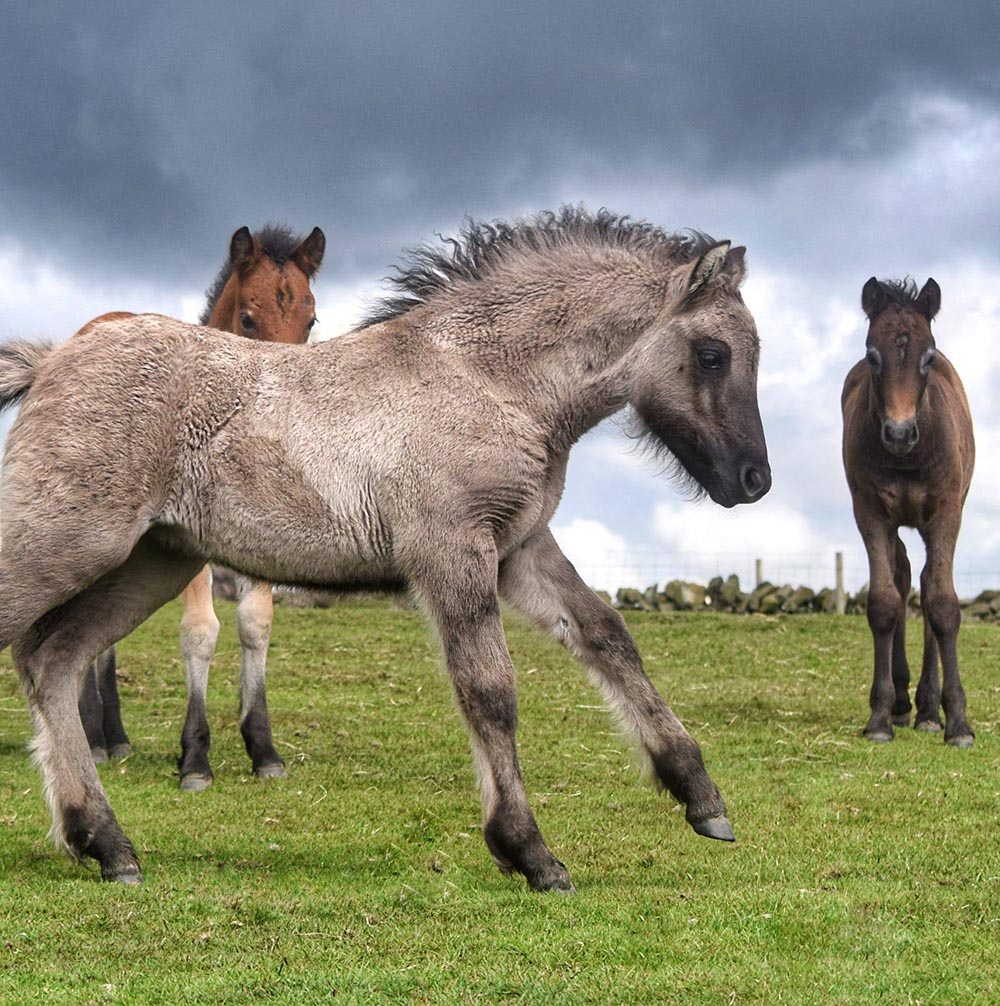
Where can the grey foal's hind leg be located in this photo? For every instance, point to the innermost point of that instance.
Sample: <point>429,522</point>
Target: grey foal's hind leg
<point>50,658</point>
<point>540,581</point>
<point>254,615</point>
<point>460,594</point>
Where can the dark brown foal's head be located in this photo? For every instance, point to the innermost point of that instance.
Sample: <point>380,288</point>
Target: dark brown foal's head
<point>697,395</point>
<point>263,290</point>
<point>900,353</point>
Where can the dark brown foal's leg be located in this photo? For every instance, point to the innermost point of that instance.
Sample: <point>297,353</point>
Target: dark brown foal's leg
<point>944,616</point>
<point>928,717</point>
<point>461,597</point>
<point>900,665</point>
<point>540,581</point>
<point>884,611</point>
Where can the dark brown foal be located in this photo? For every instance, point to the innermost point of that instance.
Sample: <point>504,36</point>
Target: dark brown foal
<point>908,455</point>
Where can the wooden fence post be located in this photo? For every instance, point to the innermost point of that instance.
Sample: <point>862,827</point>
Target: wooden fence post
<point>840,598</point>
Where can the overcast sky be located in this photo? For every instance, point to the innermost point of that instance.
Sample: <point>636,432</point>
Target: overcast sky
<point>836,141</point>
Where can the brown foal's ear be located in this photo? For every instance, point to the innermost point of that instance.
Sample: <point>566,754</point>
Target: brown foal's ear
<point>241,250</point>
<point>873,298</point>
<point>309,255</point>
<point>928,301</point>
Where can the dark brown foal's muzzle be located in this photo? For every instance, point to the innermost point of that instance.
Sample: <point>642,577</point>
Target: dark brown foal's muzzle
<point>900,437</point>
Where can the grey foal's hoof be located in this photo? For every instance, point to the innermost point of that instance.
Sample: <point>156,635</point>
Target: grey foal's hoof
<point>715,827</point>
<point>129,879</point>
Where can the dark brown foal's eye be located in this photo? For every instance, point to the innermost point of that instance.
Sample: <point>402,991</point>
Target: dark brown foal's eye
<point>874,358</point>
<point>927,360</point>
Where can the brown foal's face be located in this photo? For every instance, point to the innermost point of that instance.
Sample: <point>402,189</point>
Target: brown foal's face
<point>900,352</point>
<point>272,302</point>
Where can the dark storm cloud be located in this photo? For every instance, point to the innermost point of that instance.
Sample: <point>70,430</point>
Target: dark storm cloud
<point>137,137</point>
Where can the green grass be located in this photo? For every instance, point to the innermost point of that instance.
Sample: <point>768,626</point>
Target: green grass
<point>862,873</point>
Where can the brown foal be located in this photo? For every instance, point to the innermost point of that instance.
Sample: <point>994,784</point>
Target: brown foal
<point>908,455</point>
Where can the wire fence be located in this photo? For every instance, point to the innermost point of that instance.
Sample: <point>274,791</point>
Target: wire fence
<point>816,570</point>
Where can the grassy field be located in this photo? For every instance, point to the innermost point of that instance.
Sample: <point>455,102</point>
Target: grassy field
<point>862,873</point>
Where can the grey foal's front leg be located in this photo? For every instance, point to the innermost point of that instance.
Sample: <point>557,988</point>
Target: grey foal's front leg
<point>461,598</point>
<point>540,581</point>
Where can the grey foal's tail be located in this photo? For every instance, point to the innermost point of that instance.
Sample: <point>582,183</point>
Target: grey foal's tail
<point>19,363</point>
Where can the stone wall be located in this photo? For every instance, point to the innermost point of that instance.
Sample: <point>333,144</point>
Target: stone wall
<point>770,599</point>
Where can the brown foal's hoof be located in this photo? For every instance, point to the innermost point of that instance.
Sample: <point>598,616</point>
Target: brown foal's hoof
<point>715,827</point>
<point>195,782</point>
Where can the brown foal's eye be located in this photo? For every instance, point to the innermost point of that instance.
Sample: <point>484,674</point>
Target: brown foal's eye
<point>246,320</point>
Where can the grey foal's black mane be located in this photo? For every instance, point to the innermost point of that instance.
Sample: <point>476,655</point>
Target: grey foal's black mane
<point>481,247</point>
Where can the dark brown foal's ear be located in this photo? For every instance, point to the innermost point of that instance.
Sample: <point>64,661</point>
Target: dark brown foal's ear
<point>309,255</point>
<point>873,298</point>
<point>928,301</point>
<point>241,250</point>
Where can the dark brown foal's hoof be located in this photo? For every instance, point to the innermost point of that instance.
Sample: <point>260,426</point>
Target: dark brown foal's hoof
<point>120,750</point>
<point>715,827</point>
<point>961,741</point>
<point>100,755</point>
<point>928,726</point>
<point>195,782</point>
<point>274,771</point>
<point>878,735</point>
<point>900,719</point>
